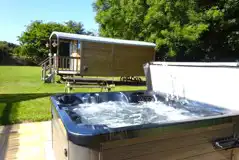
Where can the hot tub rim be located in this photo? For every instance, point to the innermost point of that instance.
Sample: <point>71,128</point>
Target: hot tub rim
<point>93,139</point>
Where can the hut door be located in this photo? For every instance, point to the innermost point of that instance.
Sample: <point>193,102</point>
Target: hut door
<point>64,52</point>
<point>75,56</point>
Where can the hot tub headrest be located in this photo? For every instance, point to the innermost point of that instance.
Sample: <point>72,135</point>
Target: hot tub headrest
<point>69,99</point>
<point>141,97</point>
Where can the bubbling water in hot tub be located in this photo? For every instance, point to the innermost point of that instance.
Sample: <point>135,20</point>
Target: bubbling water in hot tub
<point>116,114</point>
<point>119,114</point>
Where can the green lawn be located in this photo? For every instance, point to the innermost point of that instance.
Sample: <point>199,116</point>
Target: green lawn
<point>24,97</point>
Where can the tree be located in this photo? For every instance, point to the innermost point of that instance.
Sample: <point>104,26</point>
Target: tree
<point>36,35</point>
<point>182,29</point>
<point>6,49</point>
<point>76,27</point>
<point>121,18</point>
<point>221,41</point>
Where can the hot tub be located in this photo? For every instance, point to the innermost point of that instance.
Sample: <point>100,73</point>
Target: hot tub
<point>141,125</point>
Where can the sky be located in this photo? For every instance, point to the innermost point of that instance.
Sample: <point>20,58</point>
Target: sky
<point>16,14</point>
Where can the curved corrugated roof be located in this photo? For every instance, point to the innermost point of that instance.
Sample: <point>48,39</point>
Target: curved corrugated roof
<point>63,35</point>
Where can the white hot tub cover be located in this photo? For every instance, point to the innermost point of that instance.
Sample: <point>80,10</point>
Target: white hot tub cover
<point>212,83</point>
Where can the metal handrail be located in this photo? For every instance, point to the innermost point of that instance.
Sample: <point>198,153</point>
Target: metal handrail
<point>46,66</point>
<point>44,61</point>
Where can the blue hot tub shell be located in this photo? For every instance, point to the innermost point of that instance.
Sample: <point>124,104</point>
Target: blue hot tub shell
<point>72,139</point>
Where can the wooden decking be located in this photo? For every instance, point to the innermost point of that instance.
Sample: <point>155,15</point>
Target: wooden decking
<point>27,141</point>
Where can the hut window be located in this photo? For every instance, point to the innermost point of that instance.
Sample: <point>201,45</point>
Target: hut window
<point>78,47</point>
<point>74,47</point>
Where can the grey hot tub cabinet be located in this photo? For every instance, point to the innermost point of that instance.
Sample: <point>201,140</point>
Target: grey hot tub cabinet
<point>187,140</point>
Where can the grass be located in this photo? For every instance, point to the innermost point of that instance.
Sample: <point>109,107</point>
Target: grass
<point>25,98</point>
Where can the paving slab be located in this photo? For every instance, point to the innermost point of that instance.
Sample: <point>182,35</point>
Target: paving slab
<point>26,141</point>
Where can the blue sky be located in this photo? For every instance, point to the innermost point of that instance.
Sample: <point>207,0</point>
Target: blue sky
<point>16,14</point>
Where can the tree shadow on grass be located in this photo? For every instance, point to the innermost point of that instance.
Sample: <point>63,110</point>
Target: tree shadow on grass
<point>9,146</point>
<point>12,98</point>
<point>8,100</point>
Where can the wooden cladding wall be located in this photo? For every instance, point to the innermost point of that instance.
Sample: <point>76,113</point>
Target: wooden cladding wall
<point>114,59</point>
<point>129,60</point>
<point>185,145</point>
<point>97,57</point>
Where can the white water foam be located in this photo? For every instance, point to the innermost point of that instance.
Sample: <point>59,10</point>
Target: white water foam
<point>121,114</point>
